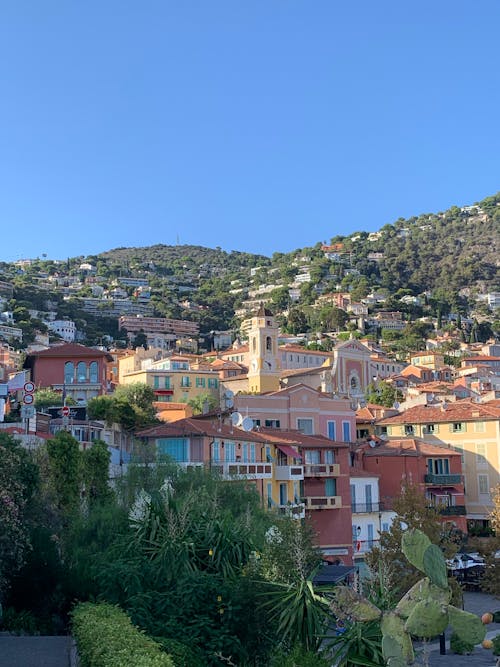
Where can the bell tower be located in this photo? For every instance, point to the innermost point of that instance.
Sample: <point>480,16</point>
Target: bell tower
<point>264,366</point>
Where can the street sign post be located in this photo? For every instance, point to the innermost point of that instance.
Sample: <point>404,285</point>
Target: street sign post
<point>65,411</point>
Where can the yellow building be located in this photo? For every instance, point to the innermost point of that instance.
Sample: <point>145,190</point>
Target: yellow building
<point>174,381</point>
<point>264,366</point>
<point>470,428</point>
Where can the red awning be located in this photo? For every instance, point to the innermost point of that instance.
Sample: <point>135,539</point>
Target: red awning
<point>445,491</point>
<point>289,451</point>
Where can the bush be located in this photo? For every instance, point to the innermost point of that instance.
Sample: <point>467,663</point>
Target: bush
<point>298,657</point>
<point>460,647</point>
<point>105,637</point>
<point>182,654</point>
<point>19,622</point>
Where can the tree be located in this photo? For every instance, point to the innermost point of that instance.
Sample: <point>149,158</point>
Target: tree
<point>412,511</point>
<point>203,403</point>
<point>95,472</point>
<point>18,483</point>
<point>382,393</point>
<point>64,472</point>
<point>45,398</point>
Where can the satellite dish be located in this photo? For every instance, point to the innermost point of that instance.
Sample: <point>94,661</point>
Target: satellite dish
<point>229,403</point>
<point>395,405</point>
<point>247,424</point>
<point>444,405</point>
<point>236,418</point>
<point>372,443</point>
<point>228,394</point>
<point>384,436</point>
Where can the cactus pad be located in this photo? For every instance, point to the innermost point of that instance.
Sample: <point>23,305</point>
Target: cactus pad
<point>392,652</point>
<point>428,619</point>
<point>354,605</point>
<point>435,566</point>
<point>422,590</point>
<point>467,626</point>
<point>414,544</point>
<point>393,626</point>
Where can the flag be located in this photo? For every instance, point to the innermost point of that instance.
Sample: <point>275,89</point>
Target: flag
<point>16,382</point>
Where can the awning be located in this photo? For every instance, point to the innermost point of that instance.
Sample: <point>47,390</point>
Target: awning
<point>289,451</point>
<point>444,491</point>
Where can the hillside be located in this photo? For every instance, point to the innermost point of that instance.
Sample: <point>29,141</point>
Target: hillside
<point>447,258</point>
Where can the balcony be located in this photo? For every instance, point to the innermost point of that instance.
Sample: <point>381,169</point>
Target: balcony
<point>366,508</point>
<point>321,470</point>
<point>294,510</point>
<point>451,510</point>
<point>323,502</point>
<point>230,470</point>
<point>445,480</point>
<point>287,473</point>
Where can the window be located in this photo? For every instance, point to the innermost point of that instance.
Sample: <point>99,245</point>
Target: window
<point>167,383</point>
<point>269,344</point>
<point>370,535</point>
<point>283,494</point>
<point>94,372</point>
<point>229,451</point>
<point>346,431</point>
<point>483,485</point>
<point>200,382</point>
<point>329,456</point>
<point>69,372</point>
<point>213,382</point>
<point>272,423</point>
<point>409,429</point>
<point>185,381</point>
<point>458,427</point>
<point>353,495</point>
<point>385,527</point>
<point>330,487</point>
<point>479,427</point>
<point>481,461</point>
<point>430,428</point>
<point>270,501</point>
<point>312,456</point>
<point>331,430</point>
<point>249,452</point>
<point>215,451</point>
<point>156,382</point>
<point>177,448</point>
<point>81,372</point>
<point>305,425</point>
<point>163,399</point>
<point>368,497</point>
<point>354,534</point>
<point>438,466</point>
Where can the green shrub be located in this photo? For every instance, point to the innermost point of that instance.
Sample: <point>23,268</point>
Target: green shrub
<point>298,657</point>
<point>105,637</point>
<point>182,654</point>
<point>460,647</point>
<point>496,645</point>
<point>19,622</point>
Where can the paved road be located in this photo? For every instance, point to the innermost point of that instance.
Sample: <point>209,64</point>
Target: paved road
<point>34,651</point>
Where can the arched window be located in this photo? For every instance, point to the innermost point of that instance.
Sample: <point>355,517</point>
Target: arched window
<point>81,372</point>
<point>269,344</point>
<point>354,383</point>
<point>94,373</point>
<point>69,372</point>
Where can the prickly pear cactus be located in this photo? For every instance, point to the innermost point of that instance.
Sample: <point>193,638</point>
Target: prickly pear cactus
<point>423,612</point>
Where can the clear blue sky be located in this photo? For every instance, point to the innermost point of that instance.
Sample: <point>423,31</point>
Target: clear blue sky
<point>260,126</point>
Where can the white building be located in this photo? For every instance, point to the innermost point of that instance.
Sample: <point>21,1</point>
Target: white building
<point>369,517</point>
<point>64,328</point>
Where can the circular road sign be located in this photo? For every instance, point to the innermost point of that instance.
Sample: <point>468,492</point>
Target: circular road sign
<point>28,399</point>
<point>29,387</point>
<point>65,410</point>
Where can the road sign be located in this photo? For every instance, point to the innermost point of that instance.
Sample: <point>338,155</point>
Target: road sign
<point>28,399</point>
<point>29,387</point>
<point>65,410</point>
<point>27,411</point>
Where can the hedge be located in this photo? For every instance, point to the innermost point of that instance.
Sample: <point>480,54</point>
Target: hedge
<point>105,637</point>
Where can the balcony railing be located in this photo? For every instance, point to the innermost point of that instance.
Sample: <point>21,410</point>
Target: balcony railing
<point>245,470</point>
<point>443,479</point>
<point>321,470</point>
<point>294,510</point>
<point>365,508</point>
<point>286,473</point>
<point>451,510</point>
<point>323,502</point>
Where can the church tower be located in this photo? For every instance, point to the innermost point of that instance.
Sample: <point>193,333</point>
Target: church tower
<point>264,366</point>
